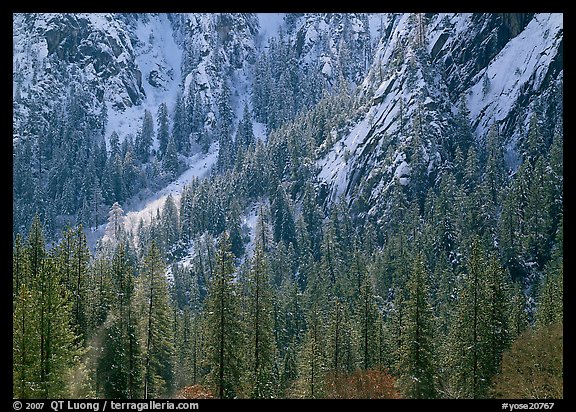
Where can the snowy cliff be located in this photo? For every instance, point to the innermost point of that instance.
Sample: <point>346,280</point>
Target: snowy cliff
<point>420,75</point>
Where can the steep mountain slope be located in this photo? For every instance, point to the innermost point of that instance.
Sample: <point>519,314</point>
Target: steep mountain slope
<point>53,52</point>
<point>421,74</point>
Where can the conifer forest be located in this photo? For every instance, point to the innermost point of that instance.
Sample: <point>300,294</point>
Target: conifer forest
<point>287,205</point>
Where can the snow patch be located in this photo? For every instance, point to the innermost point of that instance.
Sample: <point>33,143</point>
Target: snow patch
<point>200,166</point>
<point>270,24</point>
<point>526,56</point>
<point>158,52</point>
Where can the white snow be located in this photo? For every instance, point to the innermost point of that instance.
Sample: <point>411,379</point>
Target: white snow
<point>526,55</point>
<point>259,130</point>
<point>200,165</point>
<point>403,169</point>
<point>249,222</point>
<point>270,24</point>
<point>159,52</point>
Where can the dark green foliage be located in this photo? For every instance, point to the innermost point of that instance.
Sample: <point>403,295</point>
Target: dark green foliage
<point>44,346</point>
<point>480,333</point>
<point>436,278</point>
<point>154,314</point>
<point>224,330</point>
<point>261,377</point>
<point>417,356</point>
<point>163,132</point>
<point>145,137</point>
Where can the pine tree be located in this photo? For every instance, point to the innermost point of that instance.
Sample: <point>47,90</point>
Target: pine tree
<point>163,128</point>
<point>245,133</point>
<point>79,262</point>
<point>170,162</point>
<point>464,135</point>
<point>19,265</point>
<point>340,350</point>
<point>311,360</point>
<point>169,223</point>
<point>154,312</point>
<point>131,172</point>
<point>189,346</point>
<point>100,283</point>
<point>120,363</point>
<point>283,224</point>
<point>480,330</point>
<point>550,302</point>
<point>44,348</point>
<point>233,226</point>
<point>497,317</point>
<point>115,227</point>
<point>289,328</point>
<point>224,330</point>
<point>417,360</point>
<point>539,215</point>
<point>197,123</point>
<point>145,137</point>
<point>180,128</point>
<point>226,145</point>
<point>260,326</point>
<point>366,320</point>
<point>313,218</point>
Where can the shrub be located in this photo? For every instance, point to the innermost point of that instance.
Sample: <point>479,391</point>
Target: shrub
<point>366,384</point>
<point>532,368</point>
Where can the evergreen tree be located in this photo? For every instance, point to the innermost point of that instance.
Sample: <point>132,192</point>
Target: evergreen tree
<point>79,281</point>
<point>289,328</point>
<point>100,284</point>
<point>198,120</point>
<point>120,362</point>
<point>115,227</point>
<point>283,224</point>
<point>226,145</point>
<point>340,350</point>
<point>170,162</point>
<point>367,318</point>
<point>131,171</point>
<point>44,349</point>
<point>163,128</point>
<point>550,302</point>
<point>480,330</point>
<point>311,360</point>
<point>181,127</point>
<point>154,312</point>
<point>145,137</point>
<point>233,225</point>
<point>224,330</point>
<point>417,360</point>
<point>245,133</point>
<point>260,326</point>
<point>169,223</point>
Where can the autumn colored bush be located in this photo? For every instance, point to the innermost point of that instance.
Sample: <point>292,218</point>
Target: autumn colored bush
<point>365,384</point>
<point>533,367</point>
<point>194,392</point>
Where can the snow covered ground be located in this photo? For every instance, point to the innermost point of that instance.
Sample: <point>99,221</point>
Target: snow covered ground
<point>270,23</point>
<point>200,165</point>
<point>156,51</point>
<point>526,56</point>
